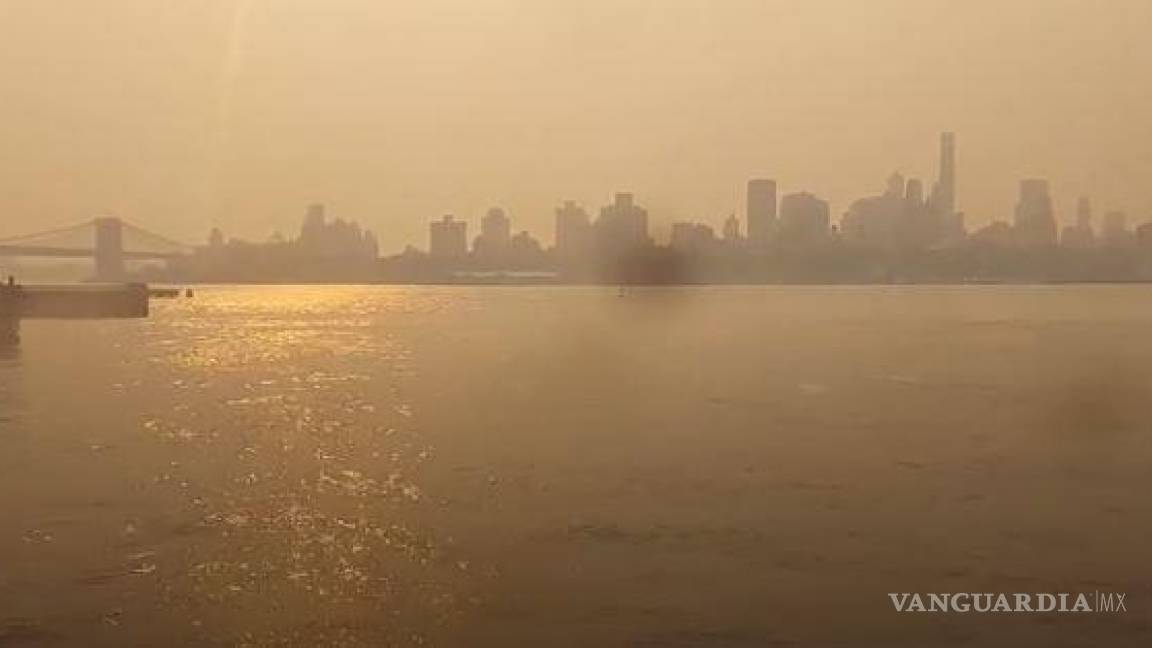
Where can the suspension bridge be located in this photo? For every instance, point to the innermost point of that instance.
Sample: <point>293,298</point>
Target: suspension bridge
<point>110,242</point>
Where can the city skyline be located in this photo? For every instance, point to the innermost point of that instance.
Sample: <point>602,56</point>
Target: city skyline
<point>760,215</point>
<point>917,218</point>
<point>904,218</point>
<point>905,234</point>
<point>761,199</point>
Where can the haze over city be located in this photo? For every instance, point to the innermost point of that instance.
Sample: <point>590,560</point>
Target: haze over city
<point>571,324</point>
<point>182,116</point>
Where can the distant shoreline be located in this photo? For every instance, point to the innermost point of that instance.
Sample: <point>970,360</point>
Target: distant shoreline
<point>557,284</point>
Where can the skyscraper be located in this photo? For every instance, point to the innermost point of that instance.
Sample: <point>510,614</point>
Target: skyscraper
<point>1080,235</point>
<point>1114,229</point>
<point>448,238</point>
<point>946,221</point>
<point>875,221</point>
<point>804,218</point>
<point>761,210</point>
<point>315,220</point>
<point>496,226</point>
<point>1035,224</point>
<point>495,236</point>
<point>896,185</point>
<point>622,226</point>
<point>944,195</point>
<point>1084,213</point>
<point>914,195</point>
<point>732,229</point>
<point>573,231</point>
<point>691,237</point>
<point>334,239</point>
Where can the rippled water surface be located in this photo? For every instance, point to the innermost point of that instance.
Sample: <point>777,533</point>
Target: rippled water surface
<point>386,466</point>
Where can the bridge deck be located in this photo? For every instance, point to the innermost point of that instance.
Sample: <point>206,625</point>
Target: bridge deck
<point>69,253</point>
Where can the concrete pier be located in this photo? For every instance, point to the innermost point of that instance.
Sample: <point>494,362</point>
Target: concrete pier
<point>118,301</point>
<point>113,301</point>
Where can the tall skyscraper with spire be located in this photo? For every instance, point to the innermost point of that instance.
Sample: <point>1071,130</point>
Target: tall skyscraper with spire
<point>949,222</point>
<point>946,185</point>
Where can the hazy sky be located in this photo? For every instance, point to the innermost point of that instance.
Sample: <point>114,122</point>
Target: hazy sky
<point>183,114</point>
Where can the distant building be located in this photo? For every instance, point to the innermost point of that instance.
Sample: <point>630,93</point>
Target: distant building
<point>495,239</point>
<point>881,221</point>
<point>448,238</point>
<point>920,227</point>
<point>681,235</point>
<point>901,217</point>
<point>525,251</point>
<point>622,226</point>
<point>692,237</point>
<point>948,223</point>
<point>1143,235</point>
<point>1114,230</point>
<point>1084,213</point>
<point>761,211</point>
<point>1035,224</point>
<point>315,221</point>
<point>496,227</point>
<point>323,250</point>
<point>732,229</point>
<point>914,195</point>
<point>804,219</point>
<point>337,239</point>
<point>944,192</point>
<point>573,232</point>
<point>995,234</point>
<point>1080,235</point>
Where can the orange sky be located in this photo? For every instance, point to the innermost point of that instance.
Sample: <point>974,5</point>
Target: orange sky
<point>181,115</point>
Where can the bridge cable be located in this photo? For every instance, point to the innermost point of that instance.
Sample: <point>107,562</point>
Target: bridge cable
<point>156,237</point>
<point>51,232</point>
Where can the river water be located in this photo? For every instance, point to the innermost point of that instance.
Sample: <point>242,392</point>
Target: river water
<point>681,467</point>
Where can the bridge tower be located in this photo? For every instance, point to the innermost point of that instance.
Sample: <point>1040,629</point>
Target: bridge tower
<point>109,249</point>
